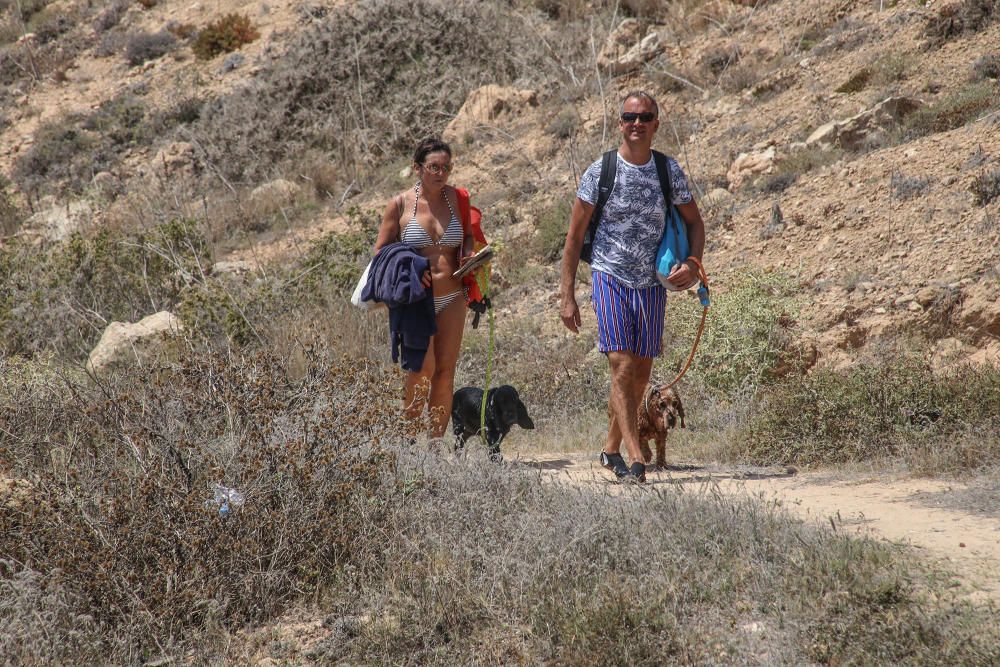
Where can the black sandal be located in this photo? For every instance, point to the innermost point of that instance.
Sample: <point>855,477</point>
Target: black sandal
<point>637,473</point>
<point>615,463</point>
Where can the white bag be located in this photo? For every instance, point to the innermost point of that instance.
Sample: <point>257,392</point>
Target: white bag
<point>356,297</point>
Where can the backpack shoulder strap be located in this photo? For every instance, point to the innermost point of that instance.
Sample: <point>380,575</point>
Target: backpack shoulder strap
<point>605,184</point>
<point>663,172</point>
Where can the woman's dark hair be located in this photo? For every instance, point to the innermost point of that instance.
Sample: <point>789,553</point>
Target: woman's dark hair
<point>427,146</point>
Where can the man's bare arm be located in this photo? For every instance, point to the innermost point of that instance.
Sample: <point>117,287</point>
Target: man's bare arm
<point>578,223</point>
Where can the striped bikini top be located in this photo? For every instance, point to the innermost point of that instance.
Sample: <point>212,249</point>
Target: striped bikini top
<point>416,236</point>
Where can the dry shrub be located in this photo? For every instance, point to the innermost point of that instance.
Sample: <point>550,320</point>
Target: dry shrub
<point>890,406</point>
<point>320,171</point>
<point>955,19</point>
<point>121,471</point>
<point>986,67</point>
<point>110,16</point>
<point>148,46</point>
<point>907,187</point>
<point>985,187</point>
<point>11,214</point>
<point>69,150</point>
<point>856,82</point>
<point>227,34</point>
<point>311,97</point>
<point>952,112</point>
<point>566,10</point>
<point>740,77</point>
<point>27,63</point>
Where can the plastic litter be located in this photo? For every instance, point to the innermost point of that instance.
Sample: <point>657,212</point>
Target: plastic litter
<point>226,499</point>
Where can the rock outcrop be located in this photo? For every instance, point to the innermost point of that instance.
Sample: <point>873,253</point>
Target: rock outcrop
<point>124,342</point>
<point>629,47</point>
<point>854,132</point>
<point>487,106</point>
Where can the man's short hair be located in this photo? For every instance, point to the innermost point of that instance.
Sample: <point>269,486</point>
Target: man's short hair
<point>642,95</point>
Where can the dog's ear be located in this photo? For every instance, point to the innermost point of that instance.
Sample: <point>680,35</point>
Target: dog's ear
<point>492,420</point>
<point>523,420</point>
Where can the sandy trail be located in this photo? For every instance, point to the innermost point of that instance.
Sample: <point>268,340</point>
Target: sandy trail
<point>963,544</point>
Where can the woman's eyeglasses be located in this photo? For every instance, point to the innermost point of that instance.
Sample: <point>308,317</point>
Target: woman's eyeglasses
<point>437,169</point>
<point>644,117</point>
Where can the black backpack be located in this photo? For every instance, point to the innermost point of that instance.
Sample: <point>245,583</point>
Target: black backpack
<point>606,183</point>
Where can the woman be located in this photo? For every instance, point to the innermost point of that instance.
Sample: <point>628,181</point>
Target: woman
<point>425,217</point>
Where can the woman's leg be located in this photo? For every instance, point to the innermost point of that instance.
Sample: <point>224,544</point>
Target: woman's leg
<point>446,343</point>
<point>417,385</point>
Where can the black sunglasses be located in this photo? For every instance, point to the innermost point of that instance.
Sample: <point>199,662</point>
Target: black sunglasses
<point>644,117</point>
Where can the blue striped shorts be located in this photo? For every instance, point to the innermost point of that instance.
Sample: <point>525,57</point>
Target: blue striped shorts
<point>628,318</point>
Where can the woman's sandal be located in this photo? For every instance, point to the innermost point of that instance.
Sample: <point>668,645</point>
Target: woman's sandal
<point>615,463</point>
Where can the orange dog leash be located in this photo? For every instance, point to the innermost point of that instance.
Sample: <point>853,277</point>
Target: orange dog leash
<point>703,296</point>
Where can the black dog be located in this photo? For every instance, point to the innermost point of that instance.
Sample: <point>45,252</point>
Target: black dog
<point>503,409</point>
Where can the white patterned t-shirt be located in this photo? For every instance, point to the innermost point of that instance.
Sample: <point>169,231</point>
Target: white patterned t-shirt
<point>632,222</point>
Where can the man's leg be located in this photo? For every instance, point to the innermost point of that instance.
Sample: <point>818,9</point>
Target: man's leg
<point>643,367</point>
<point>628,372</point>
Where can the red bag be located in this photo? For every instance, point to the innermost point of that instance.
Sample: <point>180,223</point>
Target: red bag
<point>471,225</point>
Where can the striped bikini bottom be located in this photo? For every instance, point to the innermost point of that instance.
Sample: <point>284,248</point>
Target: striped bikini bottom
<point>442,302</point>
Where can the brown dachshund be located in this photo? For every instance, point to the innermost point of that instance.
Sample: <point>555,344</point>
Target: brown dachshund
<point>660,410</point>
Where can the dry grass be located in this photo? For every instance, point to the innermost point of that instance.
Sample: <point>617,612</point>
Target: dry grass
<point>415,559</point>
<point>117,526</point>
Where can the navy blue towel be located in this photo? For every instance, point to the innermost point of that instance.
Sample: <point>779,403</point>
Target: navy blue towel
<point>394,279</point>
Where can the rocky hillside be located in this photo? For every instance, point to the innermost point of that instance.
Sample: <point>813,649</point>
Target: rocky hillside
<point>853,145</point>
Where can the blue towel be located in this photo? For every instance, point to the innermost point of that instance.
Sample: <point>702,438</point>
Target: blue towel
<point>394,279</point>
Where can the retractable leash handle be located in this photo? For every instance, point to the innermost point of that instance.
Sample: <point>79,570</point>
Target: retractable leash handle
<point>703,295</point>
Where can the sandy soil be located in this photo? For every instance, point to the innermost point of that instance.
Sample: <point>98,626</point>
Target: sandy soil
<point>965,545</point>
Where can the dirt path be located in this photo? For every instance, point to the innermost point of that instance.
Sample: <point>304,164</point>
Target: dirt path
<point>963,544</point>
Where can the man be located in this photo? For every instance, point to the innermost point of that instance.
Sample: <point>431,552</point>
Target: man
<point>628,299</point>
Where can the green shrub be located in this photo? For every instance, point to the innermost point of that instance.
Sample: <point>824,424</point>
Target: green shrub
<point>745,332</point>
<point>550,231</point>
<point>891,405</point>
<point>790,167</point>
<point>338,259</point>
<point>59,152</point>
<point>227,34</point>
<point>952,112</point>
<point>60,296</point>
